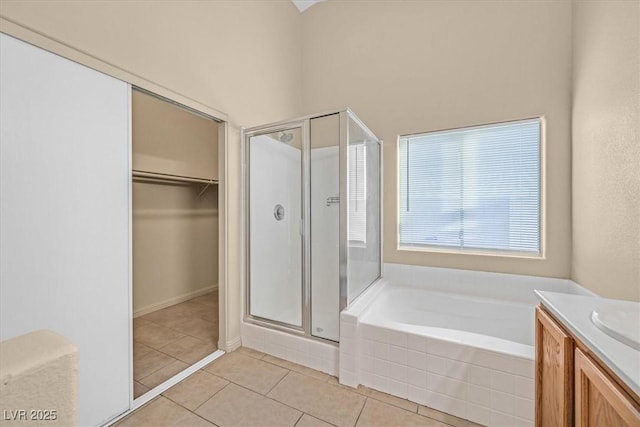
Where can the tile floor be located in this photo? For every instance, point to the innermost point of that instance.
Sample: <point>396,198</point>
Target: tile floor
<point>169,340</point>
<point>249,388</point>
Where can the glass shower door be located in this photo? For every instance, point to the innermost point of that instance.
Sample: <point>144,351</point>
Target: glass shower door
<point>275,203</point>
<point>363,209</point>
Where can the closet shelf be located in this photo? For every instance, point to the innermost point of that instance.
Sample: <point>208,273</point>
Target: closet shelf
<point>171,178</point>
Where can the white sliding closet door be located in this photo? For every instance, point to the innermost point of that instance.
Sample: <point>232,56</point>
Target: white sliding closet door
<point>64,206</point>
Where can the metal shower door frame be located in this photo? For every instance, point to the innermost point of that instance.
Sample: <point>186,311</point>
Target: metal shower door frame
<point>246,135</point>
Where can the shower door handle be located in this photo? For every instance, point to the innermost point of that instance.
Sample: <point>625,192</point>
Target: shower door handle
<point>278,212</point>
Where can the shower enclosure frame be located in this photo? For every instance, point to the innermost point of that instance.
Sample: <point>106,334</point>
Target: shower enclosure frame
<point>303,123</point>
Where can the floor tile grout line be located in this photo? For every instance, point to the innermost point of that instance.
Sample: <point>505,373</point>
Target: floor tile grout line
<point>293,407</point>
<point>174,329</point>
<point>186,334</point>
<point>320,419</point>
<point>162,367</point>
<point>181,332</point>
<point>395,406</point>
<point>151,388</point>
<point>279,381</point>
<point>210,397</point>
<point>297,371</point>
<point>366,399</point>
<point>168,355</point>
<point>247,388</point>
<point>193,412</point>
<point>299,418</point>
<point>392,396</point>
<point>276,400</point>
<point>290,371</point>
<point>249,354</point>
<point>403,409</point>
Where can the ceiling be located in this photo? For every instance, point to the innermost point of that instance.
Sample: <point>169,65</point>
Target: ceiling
<point>303,5</point>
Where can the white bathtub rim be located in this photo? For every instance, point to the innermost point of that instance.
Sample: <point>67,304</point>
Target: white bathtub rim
<point>392,287</point>
<point>504,286</point>
<point>477,289</point>
<point>366,298</point>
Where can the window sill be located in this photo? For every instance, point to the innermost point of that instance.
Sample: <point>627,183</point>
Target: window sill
<point>478,252</point>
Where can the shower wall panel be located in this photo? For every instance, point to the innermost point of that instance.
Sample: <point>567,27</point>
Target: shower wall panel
<point>275,245</point>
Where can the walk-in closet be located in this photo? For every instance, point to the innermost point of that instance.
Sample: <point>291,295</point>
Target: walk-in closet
<point>174,238</point>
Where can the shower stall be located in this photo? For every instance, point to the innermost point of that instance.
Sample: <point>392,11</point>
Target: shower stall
<point>313,220</point>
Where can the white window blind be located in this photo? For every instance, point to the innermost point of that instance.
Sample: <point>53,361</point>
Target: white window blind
<point>357,190</point>
<point>475,188</point>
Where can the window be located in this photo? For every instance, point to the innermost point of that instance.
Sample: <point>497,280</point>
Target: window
<point>474,188</point>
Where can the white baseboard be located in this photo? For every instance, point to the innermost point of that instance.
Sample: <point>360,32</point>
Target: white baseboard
<point>172,301</point>
<point>230,345</point>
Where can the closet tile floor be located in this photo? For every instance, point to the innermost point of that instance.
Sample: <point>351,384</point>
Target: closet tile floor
<point>249,388</point>
<point>167,341</point>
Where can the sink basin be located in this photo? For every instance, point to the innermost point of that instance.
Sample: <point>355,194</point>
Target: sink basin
<point>620,320</point>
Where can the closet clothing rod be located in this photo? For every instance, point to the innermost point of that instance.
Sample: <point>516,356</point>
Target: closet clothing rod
<point>168,177</point>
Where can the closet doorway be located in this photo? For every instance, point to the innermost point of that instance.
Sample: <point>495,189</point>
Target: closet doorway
<point>175,238</point>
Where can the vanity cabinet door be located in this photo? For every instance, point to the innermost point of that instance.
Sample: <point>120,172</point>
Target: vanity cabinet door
<point>599,402</point>
<point>554,373</point>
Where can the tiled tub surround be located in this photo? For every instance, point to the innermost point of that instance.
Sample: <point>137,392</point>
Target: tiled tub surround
<point>457,341</point>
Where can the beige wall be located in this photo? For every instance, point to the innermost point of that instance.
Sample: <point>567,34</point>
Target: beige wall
<point>175,244</point>
<point>414,66</point>
<point>240,57</point>
<point>606,147</point>
<point>171,140</point>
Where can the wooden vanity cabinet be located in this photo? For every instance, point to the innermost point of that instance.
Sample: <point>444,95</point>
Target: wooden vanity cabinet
<point>599,400</point>
<point>572,387</point>
<point>554,373</point>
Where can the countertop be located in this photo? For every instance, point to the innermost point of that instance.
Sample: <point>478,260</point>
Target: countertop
<point>574,311</point>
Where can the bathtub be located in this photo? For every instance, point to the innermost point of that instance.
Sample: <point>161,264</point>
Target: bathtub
<point>479,322</point>
<point>457,341</point>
